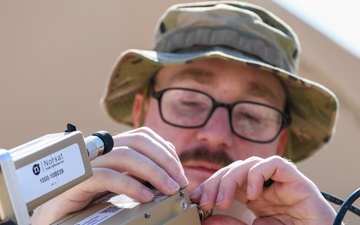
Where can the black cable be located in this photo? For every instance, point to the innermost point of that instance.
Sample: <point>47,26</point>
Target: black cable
<point>338,201</point>
<point>346,206</point>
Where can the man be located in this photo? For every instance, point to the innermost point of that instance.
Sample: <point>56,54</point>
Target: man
<point>221,93</point>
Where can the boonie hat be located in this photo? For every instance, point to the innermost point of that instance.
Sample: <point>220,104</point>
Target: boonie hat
<point>228,30</point>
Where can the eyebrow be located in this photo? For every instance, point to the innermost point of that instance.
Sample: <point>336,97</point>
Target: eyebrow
<point>259,90</point>
<point>200,76</point>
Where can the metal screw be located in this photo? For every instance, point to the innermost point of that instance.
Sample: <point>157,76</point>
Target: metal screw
<point>184,205</point>
<point>147,215</point>
<point>182,194</point>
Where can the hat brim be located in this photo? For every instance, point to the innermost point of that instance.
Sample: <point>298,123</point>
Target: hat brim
<point>313,108</point>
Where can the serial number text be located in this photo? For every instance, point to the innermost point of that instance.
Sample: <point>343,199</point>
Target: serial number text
<point>52,175</point>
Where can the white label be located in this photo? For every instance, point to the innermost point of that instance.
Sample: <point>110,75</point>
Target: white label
<point>123,201</point>
<point>50,172</point>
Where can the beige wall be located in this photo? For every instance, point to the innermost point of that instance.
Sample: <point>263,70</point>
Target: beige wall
<point>55,57</point>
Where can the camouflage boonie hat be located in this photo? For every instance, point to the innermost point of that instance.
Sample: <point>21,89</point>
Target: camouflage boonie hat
<point>236,31</point>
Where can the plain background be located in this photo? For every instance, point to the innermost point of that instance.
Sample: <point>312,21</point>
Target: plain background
<point>55,58</point>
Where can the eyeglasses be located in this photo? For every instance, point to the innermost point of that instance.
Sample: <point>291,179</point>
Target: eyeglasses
<point>188,108</point>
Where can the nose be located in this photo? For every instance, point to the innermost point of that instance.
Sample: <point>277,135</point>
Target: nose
<point>216,133</point>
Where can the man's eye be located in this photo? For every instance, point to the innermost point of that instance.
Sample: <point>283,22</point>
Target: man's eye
<point>192,105</point>
<point>247,116</point>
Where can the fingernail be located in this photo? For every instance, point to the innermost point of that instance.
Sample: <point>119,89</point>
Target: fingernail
<point>171,145</point>
<point>173,186</point>
<point>147,194</point>
<point>249,191</point>
<point>183,181</point>
<point>196,193</point>
<point>204,199</point>
<point>220,198</point>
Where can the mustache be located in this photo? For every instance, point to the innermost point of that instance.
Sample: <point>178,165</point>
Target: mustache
<point>220,157</point>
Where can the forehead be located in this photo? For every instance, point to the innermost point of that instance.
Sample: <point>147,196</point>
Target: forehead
<point>221,78</point>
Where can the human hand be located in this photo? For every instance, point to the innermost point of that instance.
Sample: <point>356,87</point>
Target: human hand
<point>139,156</point>
<point>291,199</point>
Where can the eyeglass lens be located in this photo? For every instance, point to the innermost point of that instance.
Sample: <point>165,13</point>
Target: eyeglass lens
<point>190,108</point>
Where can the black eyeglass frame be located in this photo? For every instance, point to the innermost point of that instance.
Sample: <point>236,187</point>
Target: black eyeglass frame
<point>286,119</point>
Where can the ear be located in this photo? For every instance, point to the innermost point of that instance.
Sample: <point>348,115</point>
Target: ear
<point>283,136</point>
<point>138,115</point>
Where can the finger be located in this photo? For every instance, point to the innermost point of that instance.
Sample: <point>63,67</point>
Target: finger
<point>234,182</point>
<point>141,134</point>
<point>109,180</point>
<point>222,187</point>
<point>195,196</point>
<point>148,148</point>
<point>148,143</point>
<point>145,169</point>
<point>210,189</point>
<point>275,168</point>
<point>231,188</point>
